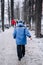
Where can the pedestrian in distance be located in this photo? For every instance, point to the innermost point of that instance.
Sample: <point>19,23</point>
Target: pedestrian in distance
<point>13,22</point>
<point>20,34</point>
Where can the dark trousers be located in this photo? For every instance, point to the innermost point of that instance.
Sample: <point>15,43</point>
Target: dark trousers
<point>20,51</point>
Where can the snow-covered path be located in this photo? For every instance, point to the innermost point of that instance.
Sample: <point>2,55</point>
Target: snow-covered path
<point>8,55</point>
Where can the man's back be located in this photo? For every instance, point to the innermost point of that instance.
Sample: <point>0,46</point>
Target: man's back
<point>21,32</point>
<point>20,35</point>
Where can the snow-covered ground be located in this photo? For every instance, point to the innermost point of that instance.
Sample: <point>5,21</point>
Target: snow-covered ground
<point>8,55</point>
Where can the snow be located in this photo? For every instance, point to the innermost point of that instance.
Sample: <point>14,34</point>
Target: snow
<point>8,55</point>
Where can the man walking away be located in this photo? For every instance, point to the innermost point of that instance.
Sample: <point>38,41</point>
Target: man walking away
<point>20,33</point>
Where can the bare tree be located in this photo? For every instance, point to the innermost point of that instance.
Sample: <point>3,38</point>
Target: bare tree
<point>12,9</point>
<point>2,13</point>
<point>17,11</point>
<point>9,12</point>
<point>25,13</point>
<point>38,11</point>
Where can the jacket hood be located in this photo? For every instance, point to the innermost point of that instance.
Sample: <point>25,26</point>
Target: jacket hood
<point>20,25</point>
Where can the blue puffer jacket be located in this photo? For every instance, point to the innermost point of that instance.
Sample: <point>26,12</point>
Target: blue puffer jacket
<point>20,33</point>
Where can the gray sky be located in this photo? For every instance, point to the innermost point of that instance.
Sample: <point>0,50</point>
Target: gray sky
<point>16,0</point>
<point>20,1</point>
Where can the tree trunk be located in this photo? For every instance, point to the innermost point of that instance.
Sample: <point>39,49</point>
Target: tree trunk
<point>2,13</point>
<point>12,9</point>
<point>25,13</point>
<point>32,12</point>
<point>18,11</point>
<point>29,14</point>
<point>38,12</point>
<point>32,3</point>
<point>8,13</point>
